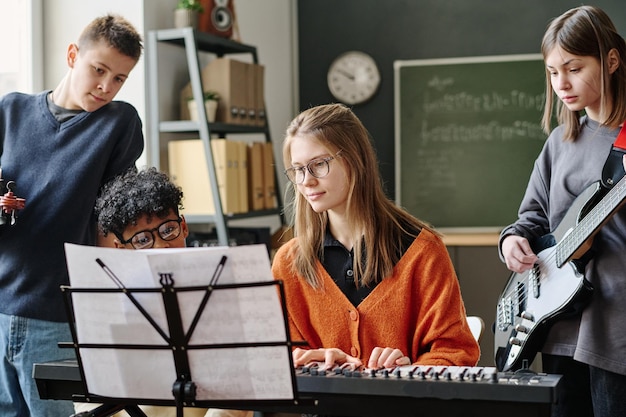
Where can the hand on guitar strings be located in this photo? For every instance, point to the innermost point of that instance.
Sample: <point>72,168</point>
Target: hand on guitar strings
<point>518,255</point>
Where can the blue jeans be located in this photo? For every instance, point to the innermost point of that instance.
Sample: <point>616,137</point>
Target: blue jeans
<point>608,391</point>
<point>25,341</point>
<point>574,397</point>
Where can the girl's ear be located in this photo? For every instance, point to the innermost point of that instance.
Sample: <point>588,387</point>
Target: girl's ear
<point>612,60</point>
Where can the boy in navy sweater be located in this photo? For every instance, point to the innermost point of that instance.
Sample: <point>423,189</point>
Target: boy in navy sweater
<point>59,147</point>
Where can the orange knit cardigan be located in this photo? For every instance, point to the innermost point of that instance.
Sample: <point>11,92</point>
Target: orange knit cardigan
<point>418,309</point>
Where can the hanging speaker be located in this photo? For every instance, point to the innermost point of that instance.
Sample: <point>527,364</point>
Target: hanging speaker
<point>218,17</point>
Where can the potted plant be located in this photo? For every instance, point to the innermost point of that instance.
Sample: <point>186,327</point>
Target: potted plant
<point>211,99</point>
<point>186,13</point>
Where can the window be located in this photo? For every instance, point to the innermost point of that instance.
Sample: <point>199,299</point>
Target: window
<point>21,66</point>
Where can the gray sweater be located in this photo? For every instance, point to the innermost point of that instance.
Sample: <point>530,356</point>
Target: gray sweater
<point>563,171</point>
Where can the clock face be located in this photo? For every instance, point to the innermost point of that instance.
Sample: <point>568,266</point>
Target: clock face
<point>353,77</point>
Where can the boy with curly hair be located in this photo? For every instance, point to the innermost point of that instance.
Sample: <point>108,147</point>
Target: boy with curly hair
<point>141,210</point>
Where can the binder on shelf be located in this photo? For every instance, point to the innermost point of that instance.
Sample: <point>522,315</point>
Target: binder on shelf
<point>256,191</point>
<point>269,178</point>
<point>225,154</point>
<point>251,116</point>
<point>259,93</point>
<point>230,79</point>
<point>188,169</point>
<point>242,174</point>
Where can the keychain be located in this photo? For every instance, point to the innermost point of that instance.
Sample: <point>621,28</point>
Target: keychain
<point>9,203</point>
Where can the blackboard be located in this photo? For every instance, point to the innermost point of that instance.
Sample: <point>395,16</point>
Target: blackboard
<point>467,132</point>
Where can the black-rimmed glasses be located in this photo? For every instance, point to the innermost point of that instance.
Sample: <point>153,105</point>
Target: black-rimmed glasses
<point>318,168</point>
<point>168,230</point>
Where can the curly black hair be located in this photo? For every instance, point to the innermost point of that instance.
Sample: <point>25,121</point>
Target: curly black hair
<point>132,194</point>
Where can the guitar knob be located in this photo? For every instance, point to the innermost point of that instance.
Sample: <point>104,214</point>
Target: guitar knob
<point>515,341</point>
<point>526,315</point>
<point>521,329</point>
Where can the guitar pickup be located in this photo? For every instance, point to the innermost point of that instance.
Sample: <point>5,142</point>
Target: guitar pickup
<point>521,297</point>
<point>534,281</point>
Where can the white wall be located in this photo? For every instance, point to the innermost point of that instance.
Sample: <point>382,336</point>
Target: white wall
<point>270,26</point>
<point>60,30</point>
<point>266,24</point>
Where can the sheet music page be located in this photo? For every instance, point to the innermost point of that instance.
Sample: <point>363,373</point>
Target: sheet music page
<point>241,315</point>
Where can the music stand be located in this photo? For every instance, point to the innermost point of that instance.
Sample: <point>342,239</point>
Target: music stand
<point>187,354</point>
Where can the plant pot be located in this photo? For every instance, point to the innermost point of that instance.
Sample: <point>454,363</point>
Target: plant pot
<point>185,18</point>
<point>210,106</point>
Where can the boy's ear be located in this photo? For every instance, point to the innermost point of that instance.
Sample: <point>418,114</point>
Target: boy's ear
<point>184,228</point>
<point>106,241</point>
<point>72,53</point>
<point>118,244</point>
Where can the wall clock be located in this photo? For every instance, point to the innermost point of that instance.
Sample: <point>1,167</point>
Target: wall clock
<point>353,77</point>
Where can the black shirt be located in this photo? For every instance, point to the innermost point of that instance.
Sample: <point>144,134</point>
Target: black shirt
<point>338,263</point>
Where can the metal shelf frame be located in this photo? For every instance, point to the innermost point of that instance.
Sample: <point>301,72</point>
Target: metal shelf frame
<point>193,42</point>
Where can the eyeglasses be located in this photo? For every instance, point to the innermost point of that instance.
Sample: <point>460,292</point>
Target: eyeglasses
<point>318,168</point>
<point>168,230</point>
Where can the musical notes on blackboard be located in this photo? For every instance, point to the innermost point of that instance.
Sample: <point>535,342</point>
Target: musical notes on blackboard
<point>467,133</point>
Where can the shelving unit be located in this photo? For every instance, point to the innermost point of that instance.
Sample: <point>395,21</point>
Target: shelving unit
<point>194,42</point>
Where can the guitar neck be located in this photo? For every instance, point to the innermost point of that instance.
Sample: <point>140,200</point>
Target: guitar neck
<point>588,226</point>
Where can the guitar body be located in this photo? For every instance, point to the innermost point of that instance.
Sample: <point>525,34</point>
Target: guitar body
<point>532,301</point>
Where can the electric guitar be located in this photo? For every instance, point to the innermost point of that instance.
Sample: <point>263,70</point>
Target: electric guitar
<point>556,286</point>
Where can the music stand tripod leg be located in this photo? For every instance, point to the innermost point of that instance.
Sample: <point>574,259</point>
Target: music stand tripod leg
<point>134,411</point>
<point>106,410</point>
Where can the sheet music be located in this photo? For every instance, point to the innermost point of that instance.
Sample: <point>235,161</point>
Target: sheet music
<point>233,315</point>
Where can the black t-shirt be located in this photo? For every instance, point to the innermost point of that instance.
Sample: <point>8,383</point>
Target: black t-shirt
<point>338,263</point>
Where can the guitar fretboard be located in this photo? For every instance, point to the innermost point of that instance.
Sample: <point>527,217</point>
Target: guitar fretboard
<point>591,222</point>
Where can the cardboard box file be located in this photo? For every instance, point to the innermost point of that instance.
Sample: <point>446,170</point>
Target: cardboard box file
<point>225,155</point>
<point>243,175</point>
<point>241,89</point>
<point>229,78</point>
<point>269,178</point>
<point>259,94</point>
<point>256,191</point>
<point>188,170</point>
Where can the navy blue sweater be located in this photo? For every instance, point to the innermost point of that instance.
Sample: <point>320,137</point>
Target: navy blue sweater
<point>58,168</point>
